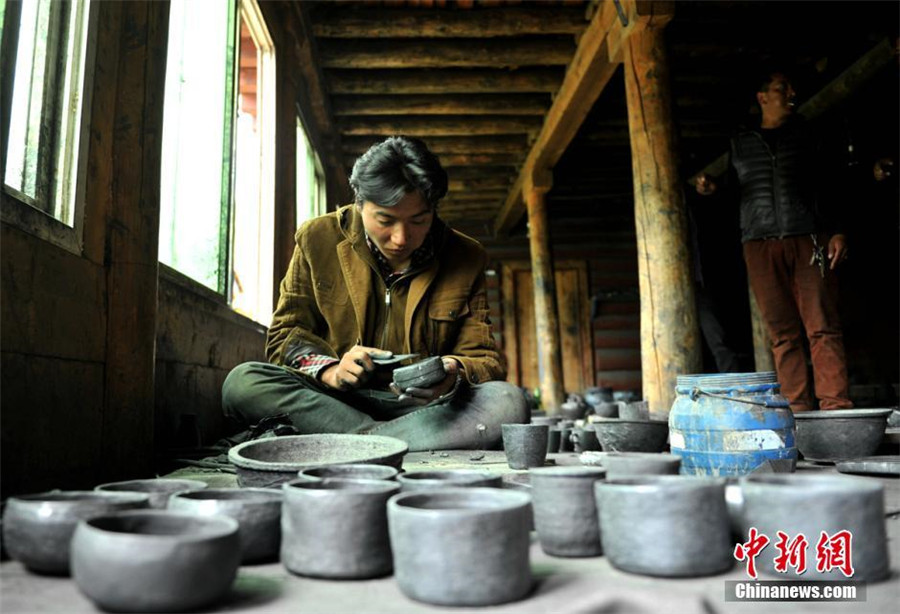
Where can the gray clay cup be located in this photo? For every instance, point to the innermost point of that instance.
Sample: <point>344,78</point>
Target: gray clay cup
<point>553,437</point>
<point>461,546</point>
<point>810,504</point>
<point>449,478</point>
<point>159,489</point>
<point>38,529</point>
<point>337,528</point>
<point>565,439</point>
<point>584,440</point>
<point>666,525</point>
<point>623,464</point>
<point>257,510</point>
<point>525,444</point>
<point>565,512</point>
<point>349,472</point>
<point>155,561</point>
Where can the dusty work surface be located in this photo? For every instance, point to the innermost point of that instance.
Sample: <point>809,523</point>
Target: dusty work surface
<point>561,585</point>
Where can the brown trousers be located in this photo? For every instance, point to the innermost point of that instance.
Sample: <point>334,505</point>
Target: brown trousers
<point>794,299</point>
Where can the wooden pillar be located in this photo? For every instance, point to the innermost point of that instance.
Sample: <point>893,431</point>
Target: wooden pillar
<point>132,230</point>
<point>537,184</point>
<point>762,346</point>
<point>669,333</point>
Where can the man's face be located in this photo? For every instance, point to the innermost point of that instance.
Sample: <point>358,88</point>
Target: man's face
<point>399,230</point>
<point>777,103</point>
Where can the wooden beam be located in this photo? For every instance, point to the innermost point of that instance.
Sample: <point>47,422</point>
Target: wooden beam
<point>670,340</point>
<point>587,75</point>
<point>450,53</point>
<point>314,99</point>
<point>453,144</point>
<point>476,184</point>
<point>462,104</point>
<point>442,126</point>
<point>334,21</point>
<point>416,81</point>
<point>489,195</point>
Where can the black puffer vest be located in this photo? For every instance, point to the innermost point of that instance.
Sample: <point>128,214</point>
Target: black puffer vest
<point>777,187</point>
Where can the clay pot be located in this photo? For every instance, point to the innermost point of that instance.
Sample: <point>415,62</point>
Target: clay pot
<point>607,409</point>
<point>584,440</point>
<point>623,464</point>
<point>158,489</point>
<point>461,546</point>
<point>565,439</point>
<point>810,504</point>
<point>565,512</point>
<point>553,440</point>
<point>257,510</point>
<point>337,528</point>
<point>838,434</point>
<point>37,529</point>
<point>155,561</point>
<point>670,526</point>
<point>638,410</point>
<point>452,478</point>
<point>619,435</point>
<point>594,396</point>
<point>573,409</point>
<point>525,444</point>
<point>349,472</point>
<point>276,460</point>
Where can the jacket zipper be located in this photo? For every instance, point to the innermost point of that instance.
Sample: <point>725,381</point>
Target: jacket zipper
<point>775,204</point>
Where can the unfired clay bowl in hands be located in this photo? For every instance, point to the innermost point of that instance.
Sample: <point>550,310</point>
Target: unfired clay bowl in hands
<point>158,489</point>
<point>37,529</point>
<point>155,561</point>
<point>461,546</point>
<point>257,510</point>
<point>665,525</point>
<point>449,478</point>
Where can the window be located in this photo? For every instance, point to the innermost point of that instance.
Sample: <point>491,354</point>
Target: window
<point>46,104</point>
<point>310,179</point>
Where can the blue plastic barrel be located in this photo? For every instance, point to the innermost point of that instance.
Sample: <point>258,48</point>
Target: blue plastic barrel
<point>730,424</point>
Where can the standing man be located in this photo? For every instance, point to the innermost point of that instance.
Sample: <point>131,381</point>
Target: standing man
<point>382,277</point>
<point>791,247</point>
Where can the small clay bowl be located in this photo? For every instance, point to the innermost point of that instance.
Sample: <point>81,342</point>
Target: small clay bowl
<point>461,546</point>
<point>155,561</point>
<point>665,525</point>
<point>257,510</point>
<point>621,464</point>
<point>158,489</point>
<point>37,529</point>
<point>450,478</point>
<point>838,434</point>
<point>619,435</point>
<point>349,472</point>
<point>810,504</point>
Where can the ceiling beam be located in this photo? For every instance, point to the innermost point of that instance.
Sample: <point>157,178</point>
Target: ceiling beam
<point>335,21</point>
<point>449,53</point>
<point>440,126</point>
<point>453,144</point>
<point>430,81</point>
<point>461,104</point>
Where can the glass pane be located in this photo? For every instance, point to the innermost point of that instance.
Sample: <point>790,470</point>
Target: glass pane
<point>194,121</point>
<point>28,98</point>
<point>305,180</point>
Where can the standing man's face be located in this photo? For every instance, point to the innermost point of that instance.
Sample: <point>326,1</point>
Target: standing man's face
<point>400,230</point>
<point>777,102</point>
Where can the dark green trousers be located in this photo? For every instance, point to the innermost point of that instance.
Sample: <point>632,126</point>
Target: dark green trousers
<point>471,419</point>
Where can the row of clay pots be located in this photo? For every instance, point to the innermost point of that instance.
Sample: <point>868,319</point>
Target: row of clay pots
<point>679,526</point>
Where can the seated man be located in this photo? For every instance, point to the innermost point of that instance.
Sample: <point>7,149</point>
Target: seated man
<point>383,276</point>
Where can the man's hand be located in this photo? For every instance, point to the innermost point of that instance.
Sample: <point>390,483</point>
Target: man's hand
<point>837,250</point>
<point>424,396</point>
<point>354,369</point>
<point>705,185</point>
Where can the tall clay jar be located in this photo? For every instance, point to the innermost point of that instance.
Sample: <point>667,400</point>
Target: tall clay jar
<point>461,546</point>
<point>810,505</point>
<point>665,525</point>
<point>337,528</point>
<point>565,511</point>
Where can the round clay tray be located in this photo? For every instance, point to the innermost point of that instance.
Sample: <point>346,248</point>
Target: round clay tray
<point>871,465</point>
<point>274,460</point>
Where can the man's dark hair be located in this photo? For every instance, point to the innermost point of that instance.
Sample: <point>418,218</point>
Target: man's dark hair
<point>394,167</point>
<point>767,74</point>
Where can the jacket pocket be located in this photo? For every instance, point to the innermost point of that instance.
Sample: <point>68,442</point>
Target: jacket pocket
<point>330,291</point>
<point>445,320</point>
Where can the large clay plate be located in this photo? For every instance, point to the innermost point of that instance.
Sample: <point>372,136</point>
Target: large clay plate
<point>269,462</point>
<point>871,465</point>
